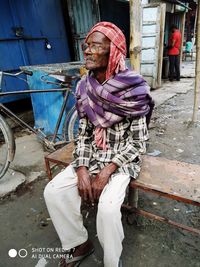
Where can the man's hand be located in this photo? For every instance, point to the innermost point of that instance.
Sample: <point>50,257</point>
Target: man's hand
<point>102,179</point>
<point>84,184</point>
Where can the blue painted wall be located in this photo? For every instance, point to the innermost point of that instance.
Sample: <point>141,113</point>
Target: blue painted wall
<point>39,19</point>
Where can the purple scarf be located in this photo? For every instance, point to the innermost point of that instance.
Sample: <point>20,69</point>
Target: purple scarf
<point>124,95</point>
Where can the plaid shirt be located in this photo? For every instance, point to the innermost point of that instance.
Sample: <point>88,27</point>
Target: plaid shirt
<point>125,143</point>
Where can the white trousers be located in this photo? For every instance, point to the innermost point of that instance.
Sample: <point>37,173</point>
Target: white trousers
<point>63,203</point>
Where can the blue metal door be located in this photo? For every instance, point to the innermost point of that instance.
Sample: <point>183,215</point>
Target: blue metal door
<point>31,32</point>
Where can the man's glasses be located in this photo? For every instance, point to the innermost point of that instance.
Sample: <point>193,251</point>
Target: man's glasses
<point>94,48</point>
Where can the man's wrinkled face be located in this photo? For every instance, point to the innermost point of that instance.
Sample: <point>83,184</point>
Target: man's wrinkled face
<point>96,50</point>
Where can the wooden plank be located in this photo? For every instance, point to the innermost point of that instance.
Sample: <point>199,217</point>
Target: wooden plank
<point>170,177</point>
<point>135,34</point>
<point>62,155</point>
<point>161,39</point>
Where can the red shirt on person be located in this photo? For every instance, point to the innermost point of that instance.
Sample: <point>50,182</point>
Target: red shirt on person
<point>176,37</point>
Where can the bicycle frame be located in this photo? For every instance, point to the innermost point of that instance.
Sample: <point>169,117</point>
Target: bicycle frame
<point>43,137</point>
<point>6,134</point>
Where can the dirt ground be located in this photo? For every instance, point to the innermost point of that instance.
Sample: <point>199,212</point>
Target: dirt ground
<point>25,222</point>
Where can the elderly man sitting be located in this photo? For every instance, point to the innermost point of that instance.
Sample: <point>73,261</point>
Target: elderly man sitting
<point>114,107</point>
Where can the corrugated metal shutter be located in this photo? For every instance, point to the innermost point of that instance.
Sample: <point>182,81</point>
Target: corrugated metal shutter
<point>83,15</point>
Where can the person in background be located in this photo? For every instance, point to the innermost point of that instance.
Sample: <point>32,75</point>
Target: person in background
<point>188,48</point>
<point>174,45</point>
<point>114,107</point>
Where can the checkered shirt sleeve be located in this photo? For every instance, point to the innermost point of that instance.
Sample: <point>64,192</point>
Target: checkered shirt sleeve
<point>83,145</point>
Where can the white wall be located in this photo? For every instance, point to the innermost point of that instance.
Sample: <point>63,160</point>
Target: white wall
<point>144,2</point>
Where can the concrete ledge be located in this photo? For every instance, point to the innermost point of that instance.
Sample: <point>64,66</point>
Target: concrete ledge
<point>10,182</point>
<point>28,165</point>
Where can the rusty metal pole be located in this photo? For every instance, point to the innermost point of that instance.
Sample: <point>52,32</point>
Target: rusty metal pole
<point>135,34</point>
<point>197,69</point>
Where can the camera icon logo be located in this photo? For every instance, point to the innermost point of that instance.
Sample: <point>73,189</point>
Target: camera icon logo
<point>22,253</point>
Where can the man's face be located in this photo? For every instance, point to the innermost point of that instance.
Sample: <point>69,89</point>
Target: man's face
<point>97,51</point>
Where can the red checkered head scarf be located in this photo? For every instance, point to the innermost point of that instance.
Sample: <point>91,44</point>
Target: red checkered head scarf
<point>117,55</point>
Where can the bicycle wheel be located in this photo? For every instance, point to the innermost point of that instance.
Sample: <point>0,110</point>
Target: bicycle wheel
<point>70,125</point>
<point>7,146</point>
